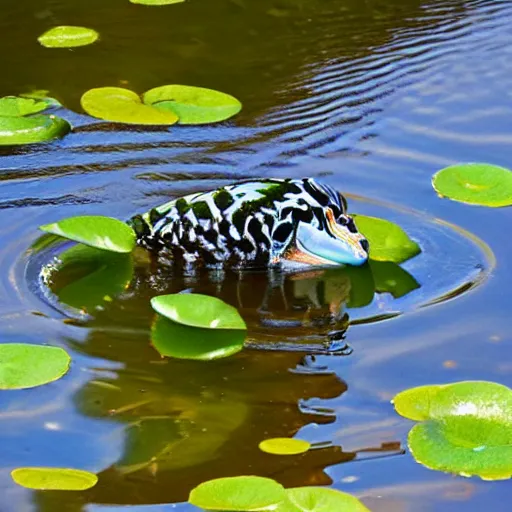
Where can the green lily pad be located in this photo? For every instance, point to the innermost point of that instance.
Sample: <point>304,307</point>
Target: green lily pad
<point>193,105</point>
<point>29,130</point>
<point>198,310</point>
<point>284,446</point>
<point>86,277</point>
<point>466,429</point>
<point>42,95</point>
<point>320,499</point>
<point>388,241</point>
<point>156,2</point>
<point>27,366</point>
<point>61,479</point>
<point>183,342</point>
<point>120,105</point>
<point>66,36</point>
<point>94,230</point>
<point>391,278</point>
<point>241,493</point>
<point>14,106</point>
<point>475,183</point>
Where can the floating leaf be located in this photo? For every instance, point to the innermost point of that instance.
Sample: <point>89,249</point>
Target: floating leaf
<point>475,183</point>
<point>193,105</point>
<point>13,106</point>
<point>320,499</point>
<point>198,310</point>
<point>94,230</point>
<point>284,446</point>
<point>42,95</point>
<point>388,242</point>
<point>181,341</point>
<point>86,277</point>
<point>466,429</point>
<point>26,366</point>
<point>61,479</point>
<point>66,36</point>
<point>241,493</point>
<point>120,105</point>
<point>29,130</point>
<point>156,2</point>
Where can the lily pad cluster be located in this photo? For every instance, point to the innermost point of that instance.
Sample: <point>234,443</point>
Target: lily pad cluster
<point>21,121</point>
<point>248,493</point>
<point>465,428</point>
<point>165,105</point>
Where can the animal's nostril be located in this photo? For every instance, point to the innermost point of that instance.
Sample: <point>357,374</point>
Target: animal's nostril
<point>365,245</point>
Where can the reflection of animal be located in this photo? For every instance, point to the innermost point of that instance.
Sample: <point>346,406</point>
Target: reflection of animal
<point>260,223</point>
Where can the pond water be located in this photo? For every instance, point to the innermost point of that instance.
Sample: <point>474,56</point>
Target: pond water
<point>371,97</point>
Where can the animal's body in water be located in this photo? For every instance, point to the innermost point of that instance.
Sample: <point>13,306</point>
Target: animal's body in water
<point>269,223</point>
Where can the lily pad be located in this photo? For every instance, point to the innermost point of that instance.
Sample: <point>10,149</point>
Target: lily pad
<point>156,2</point>
<point>241,493</point>
<point>198,310</point>
<point>86,277</point>
<point>95,230</point>
<point>388,241</point>
<point>183,342</point>
<point>320,499</point>
<point>193,105</point>
<point>120,105</point>
<point>29,130</point>
<point>61,479</point>
<point>66,36</point>
<point>475,183</point>
<point>14,106</point>
<point>26,366</point>
<point>284,446</point>
<point>391,278</point>
<point>41,95</point>
<point>466,429</point>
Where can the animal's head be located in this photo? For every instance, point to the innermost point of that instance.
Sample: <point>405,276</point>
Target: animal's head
<point>323,233</point>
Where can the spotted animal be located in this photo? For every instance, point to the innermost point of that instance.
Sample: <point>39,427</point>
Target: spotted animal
<point>289,223</point>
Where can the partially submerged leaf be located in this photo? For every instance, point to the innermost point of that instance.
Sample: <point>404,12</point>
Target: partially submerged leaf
<point>284,446</point>
<point>86,277</point>
<point>66,36</point>
<point>198,310</point>
<point>29,130</point>
<point>61,479</point>
<point>467,428</point>
<point>26,366</point>
<point>241,493</point>
<point>193,105</point>
<point>388,241</point>
<point>14,106</point>
<point>95,230</point>
<point>181,341</point>
<point>120,105</point>
<point>42,95</point>
<point>475,183</point>
<point>320,499</point>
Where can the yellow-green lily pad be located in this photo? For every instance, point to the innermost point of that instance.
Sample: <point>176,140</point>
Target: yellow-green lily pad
<point>475,183</point>
<point>27,366</point>
<point>172,339</point>
<point>120,105</point>
<point>388,241</point>
<point>96,231</point>
<point>320,499</point>
<point>66,36</point>
<point>31,129</point>
<point>466,427</point>
<point>193,105</point>
<point>58,479</point>
<point>241,493</point>
<point>14,106</point>
<point>284,446</point>
<point>198,310</point>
